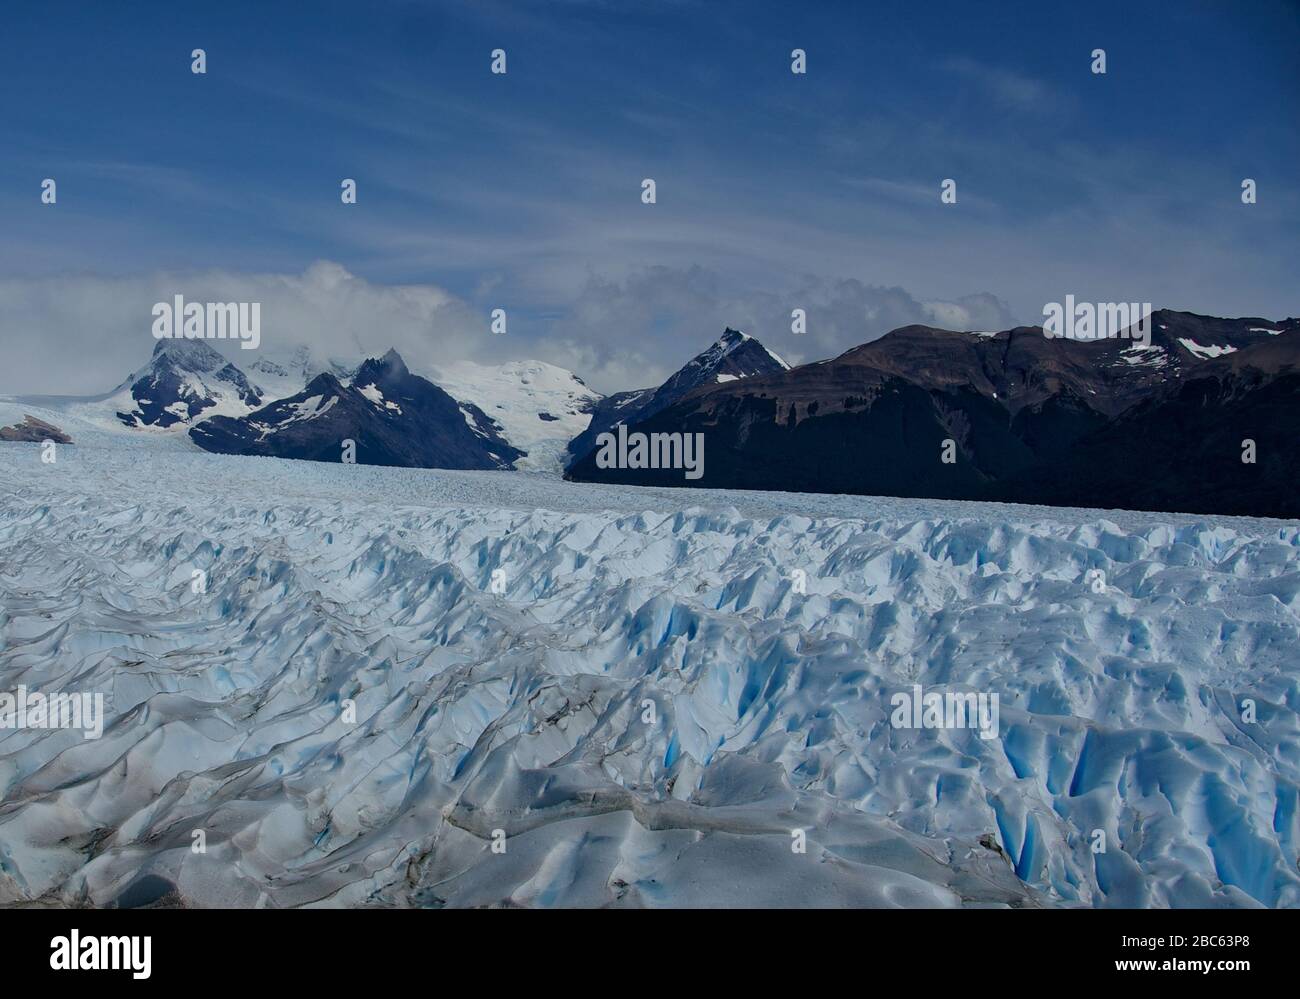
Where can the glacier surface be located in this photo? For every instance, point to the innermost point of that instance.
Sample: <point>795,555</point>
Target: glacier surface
<point>401,687</point>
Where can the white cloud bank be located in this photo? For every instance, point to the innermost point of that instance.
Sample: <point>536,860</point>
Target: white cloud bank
<point>82,334</point>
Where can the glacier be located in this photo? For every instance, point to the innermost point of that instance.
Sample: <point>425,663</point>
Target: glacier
<point>403,687</point>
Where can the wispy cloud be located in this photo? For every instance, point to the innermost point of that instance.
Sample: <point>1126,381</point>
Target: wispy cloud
<point>1008,87</point>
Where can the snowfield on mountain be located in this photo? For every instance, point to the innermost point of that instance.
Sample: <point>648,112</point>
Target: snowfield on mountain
<point>539,407</point>
<point>402,687</point>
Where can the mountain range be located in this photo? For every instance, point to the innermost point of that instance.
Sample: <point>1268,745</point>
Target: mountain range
<point>1196,418</point>
<point>391,416</point>
<point>1199,419</point>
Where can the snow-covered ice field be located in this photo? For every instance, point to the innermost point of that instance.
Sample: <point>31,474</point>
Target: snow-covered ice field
<point>649,712</point>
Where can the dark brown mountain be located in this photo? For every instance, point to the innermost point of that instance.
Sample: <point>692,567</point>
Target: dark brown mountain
<point>1033,419</point>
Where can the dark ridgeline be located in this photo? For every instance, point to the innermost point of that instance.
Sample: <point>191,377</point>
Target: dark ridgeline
<point>1099,423</point>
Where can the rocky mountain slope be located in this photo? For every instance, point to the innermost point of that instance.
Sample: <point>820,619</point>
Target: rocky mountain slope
<point>1031,419</point>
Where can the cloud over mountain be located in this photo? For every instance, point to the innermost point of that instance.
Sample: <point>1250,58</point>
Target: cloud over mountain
<point>621,332</point>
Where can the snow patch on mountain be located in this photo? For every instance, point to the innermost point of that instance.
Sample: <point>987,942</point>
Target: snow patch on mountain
<point>376,395</point>
<point>311,408</point>
<point>1212,350</point>
<point>1148,354</point>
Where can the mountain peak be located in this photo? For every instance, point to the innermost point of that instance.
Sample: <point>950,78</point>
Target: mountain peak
<point>183,381</point>
<point>730,336</point>
<point>193,355</point>
<point>322,384</point>
<point>392,360</point>
<point>733,355</point>
<point>382,369</point>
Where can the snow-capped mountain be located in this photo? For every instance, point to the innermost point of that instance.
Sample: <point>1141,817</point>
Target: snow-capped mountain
<point>732,357</point>
<point>530,409</point>
<point>393,417</point>
<point>1021,411</point>
<point>537,407</point>
<point>184,381</point>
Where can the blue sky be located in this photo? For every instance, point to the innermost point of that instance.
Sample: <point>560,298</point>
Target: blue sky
<point>522,191</point>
